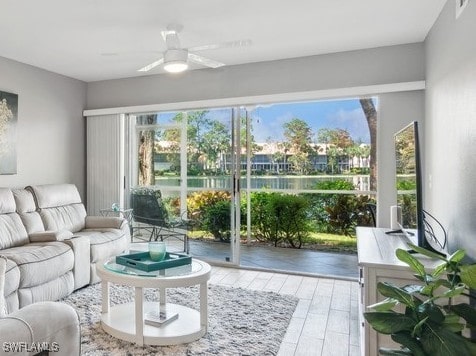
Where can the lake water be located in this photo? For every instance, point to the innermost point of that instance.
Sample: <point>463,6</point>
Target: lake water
<point>361,182</point>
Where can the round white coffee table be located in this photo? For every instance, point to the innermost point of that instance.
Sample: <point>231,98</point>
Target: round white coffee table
<point>126,321</point>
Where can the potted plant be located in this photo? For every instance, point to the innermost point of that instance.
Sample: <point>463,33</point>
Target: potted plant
<point>433,323</point>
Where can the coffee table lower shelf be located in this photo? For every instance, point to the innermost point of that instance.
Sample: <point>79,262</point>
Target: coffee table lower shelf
<point>120,322</point>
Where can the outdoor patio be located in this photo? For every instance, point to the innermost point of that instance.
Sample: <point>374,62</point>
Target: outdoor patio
<point>276,259</point>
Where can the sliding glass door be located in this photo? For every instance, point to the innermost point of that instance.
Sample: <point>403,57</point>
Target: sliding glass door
<point>189,160</point>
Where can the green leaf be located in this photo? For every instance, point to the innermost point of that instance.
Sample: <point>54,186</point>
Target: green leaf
<point>439,270</point>
<point>392,352</point>
<point>440,341</point>
<point>418,327</point>
<point>468,275</point>
<point>454,292</point>
<point>413,288</point>
<point>466,311</point>
<point>432,311</point>
<point>384,305</point>
<point>426,252</point>
<point>390,291</point>
<point>412,344</point>
<point>411,261</point>
<point>389,322</point>
<point>457,256</point>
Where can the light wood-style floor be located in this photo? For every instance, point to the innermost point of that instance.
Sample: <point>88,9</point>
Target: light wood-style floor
<point>326,318</point>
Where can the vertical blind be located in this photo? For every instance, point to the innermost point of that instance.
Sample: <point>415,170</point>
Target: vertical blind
<point>105,162</point>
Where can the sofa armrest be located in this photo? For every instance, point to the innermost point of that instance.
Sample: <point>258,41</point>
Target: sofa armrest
<point>45,236</point>
<point>52,325</point>
<point>101,222</point>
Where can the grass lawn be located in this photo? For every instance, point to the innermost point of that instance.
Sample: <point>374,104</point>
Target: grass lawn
<point>316,241</point>
<point>331,242</point>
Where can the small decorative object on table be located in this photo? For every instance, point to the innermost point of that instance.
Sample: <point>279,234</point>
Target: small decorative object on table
<point>143,262</point>
<point>157,250</point>
<point>159,317</point>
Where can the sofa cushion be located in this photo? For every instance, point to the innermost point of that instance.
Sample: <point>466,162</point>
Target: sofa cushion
<point>12,278</point>
<point>69,217</point>
<point>60,206</point>
<point>53,195</point>
<point>26,208</point>
<point>3,270</point>
<point>9,283</point>
<point>12,231</point>
<point>41,262</point>
<point>105,243</point>
<point>53,290</point>
<point>7,202</point>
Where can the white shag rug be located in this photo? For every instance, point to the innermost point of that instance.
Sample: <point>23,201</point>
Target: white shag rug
<point>241,322</point>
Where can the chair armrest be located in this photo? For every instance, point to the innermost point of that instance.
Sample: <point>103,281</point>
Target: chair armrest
<point>101,222</point>
<point>45,236</point>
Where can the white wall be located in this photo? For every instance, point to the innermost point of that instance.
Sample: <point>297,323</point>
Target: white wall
<point>50,131</point>
<point>450,131</point>
<point>383,65</point>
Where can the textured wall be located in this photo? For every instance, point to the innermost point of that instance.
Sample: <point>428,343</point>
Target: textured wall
<point>450,131</point>
<point>50,131</point>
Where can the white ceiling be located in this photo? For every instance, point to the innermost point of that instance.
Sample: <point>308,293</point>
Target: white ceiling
<point>95,40</point>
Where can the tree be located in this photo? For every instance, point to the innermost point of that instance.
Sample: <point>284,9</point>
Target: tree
<point>371,116</point>
<point>298,134</point>
<point>338,143</point>
<point>146,150</point>
<point>216,144</point>
<point>197,124</point>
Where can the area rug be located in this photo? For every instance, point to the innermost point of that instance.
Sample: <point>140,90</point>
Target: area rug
<point>241,322</point>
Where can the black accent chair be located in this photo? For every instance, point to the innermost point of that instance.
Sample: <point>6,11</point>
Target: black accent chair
<point>151,214</point>
<point>373,212</point>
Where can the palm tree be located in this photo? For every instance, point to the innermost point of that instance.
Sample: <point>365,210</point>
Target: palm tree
<point>371,115</point>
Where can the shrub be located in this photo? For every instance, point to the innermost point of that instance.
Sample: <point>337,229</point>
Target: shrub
<point>199,201</point>
<point>339,213</point>
<point>290,219</point>
<point>217,220</point>
<point>212,211</point>
<point>279,218</point>
<point>261,217</point>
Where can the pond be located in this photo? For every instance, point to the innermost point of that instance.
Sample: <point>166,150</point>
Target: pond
<point>361,182</point>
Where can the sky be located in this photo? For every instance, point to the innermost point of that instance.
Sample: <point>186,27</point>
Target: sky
<point>268,120</point>
<point>344,114</point>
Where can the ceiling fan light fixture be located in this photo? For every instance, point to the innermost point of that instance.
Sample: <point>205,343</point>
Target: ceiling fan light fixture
<point>175,66</point>
<point>175,60</point>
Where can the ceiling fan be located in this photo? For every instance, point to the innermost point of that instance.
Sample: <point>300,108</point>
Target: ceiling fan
<point>175,59</point>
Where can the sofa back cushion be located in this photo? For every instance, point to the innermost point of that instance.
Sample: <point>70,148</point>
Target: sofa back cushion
<point>12,231</point>
<point>3,271</point>
<point>27,210</point>
<point>60,206</point>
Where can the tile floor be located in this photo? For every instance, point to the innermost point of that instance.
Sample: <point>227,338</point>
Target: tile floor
<point>325,321</point>
<point>326,318</point>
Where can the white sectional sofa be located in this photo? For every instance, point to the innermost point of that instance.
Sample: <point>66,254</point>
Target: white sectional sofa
<point>50,243</point>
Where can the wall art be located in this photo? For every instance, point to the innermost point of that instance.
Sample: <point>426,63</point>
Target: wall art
<point>8,125</point>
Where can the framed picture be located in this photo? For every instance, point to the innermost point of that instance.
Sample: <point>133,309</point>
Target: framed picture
<point>8,125</point>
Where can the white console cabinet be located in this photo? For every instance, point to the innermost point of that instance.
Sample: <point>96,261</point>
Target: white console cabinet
<point>378,263</point>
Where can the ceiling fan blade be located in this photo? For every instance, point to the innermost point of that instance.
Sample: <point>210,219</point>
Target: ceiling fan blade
<point>152,65</point>
<point>204,61</point>
<point>230,44</point>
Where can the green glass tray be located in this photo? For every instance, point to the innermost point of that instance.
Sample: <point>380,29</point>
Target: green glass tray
<point>142,261</point>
